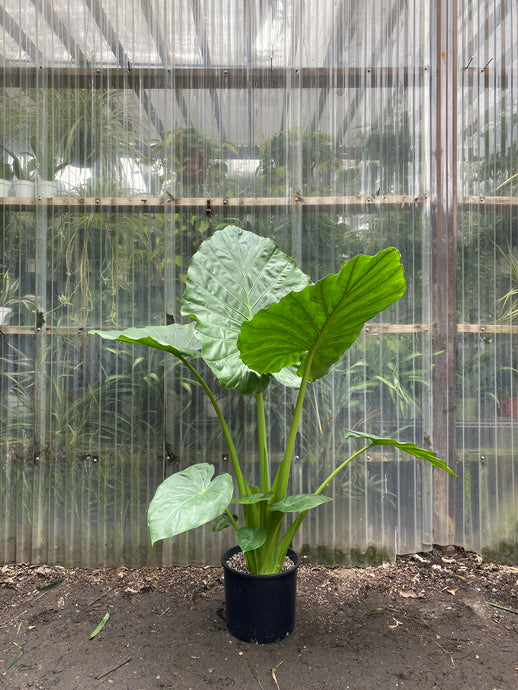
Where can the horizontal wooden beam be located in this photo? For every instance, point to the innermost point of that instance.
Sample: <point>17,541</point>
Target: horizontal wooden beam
<point>479,202</point>
<point>370,329</point>
<point>268,77</point>
<point>161,205</point>
<point>483,329</point>
<point>163,77</point>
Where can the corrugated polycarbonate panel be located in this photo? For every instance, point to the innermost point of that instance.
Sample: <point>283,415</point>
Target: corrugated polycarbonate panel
<point>332,126</point>
<point>488,278</point>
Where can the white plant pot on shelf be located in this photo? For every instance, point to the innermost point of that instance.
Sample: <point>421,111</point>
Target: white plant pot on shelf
<point>5,188</point>
<point>46,189</point>
<point>24,188</point>
<point>4,312</point>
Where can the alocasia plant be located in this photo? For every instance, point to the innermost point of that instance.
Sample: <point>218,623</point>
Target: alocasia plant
<point>255,315</point>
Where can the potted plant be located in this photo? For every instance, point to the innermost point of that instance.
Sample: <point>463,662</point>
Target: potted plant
<point>185,158</point>
<point>6,175</point>
<point>98,132</point>
<point>290,150</point>
<point>508,303</point>
<point>255,315</point>
<point>13,122</point>
<point>23,166</point>
<point>47,165</point>
<point>5,310</point>
<point>10,299</point>
<point>507,379</point>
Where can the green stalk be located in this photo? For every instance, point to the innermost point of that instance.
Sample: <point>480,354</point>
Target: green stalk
<point>244,489</point>
<point>341,467</point>
<point>264,470</point>
<point>269,551</point>
<point>252,515</point>
<point>294,527</point>
<point>234,523</point>
<point>291,532</point>
<point>280,485</point>
<point>251,559</point>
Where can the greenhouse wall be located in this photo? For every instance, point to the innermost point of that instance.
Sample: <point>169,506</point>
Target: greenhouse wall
<point>129,133</point>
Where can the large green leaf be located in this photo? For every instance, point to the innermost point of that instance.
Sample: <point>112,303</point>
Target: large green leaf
<point>405,447</point>
<point>250,538</point>
<point>323,320</point>
<point>233,275</point>
<point>188,499</point>
<point>178,339</point>
<point>299,502</point>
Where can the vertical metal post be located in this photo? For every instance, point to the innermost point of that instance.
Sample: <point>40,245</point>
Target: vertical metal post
<point>444,263</point>
<point>39,539</point>
<point>40,342</point>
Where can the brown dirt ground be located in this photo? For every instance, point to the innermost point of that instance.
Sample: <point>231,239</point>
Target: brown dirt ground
<point>422,622</point>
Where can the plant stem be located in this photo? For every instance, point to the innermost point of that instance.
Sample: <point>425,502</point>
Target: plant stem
<point>280,485</point>
<point>264,470</point>
<point>341,467</point>
<point>294,527</point>
<point>244,489</point>
<point>291,532</point>
<point>234,523</point>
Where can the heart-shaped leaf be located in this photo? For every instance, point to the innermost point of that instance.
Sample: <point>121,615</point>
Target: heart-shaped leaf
<point>178,339</point>
<point>317,324</point>
<point>233,275</point>
<point>299,502</point>
<point>250,538</point>
<point>188,499</point>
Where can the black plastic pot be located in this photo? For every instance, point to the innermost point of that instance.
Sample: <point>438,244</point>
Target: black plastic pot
<point>260,608</point>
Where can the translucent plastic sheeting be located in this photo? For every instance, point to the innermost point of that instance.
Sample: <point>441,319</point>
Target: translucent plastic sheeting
<point>487,386</point>
<point>334,127</point>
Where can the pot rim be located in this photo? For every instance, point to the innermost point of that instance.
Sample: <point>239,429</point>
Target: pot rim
<point>291,553</point>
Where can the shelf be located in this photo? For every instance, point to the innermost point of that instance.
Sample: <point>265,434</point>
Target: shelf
<point>230,77</point>
<point>370,328</point>
<point>358,203</point>
<point>483,329</point>
<point>203,77</point>
<point>161,205</point>
<point>479,202</point>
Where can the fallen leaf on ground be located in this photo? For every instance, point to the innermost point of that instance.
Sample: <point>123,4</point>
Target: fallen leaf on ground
<point>396,623</point>
<point>273,674</point>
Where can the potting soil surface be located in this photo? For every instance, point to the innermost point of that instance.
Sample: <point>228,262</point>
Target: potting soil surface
<point>431,620</point>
